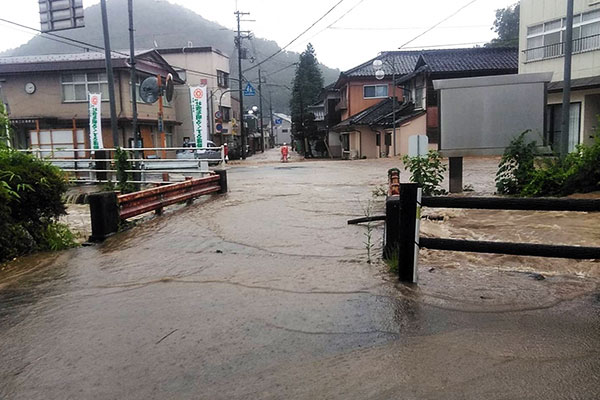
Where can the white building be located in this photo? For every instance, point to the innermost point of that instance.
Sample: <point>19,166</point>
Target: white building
<point>541,44</point>
<point>282,128</point>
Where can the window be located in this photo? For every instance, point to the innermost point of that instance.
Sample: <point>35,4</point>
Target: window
<point>76,86</point>
<point>222,79</point>
<point>375,91</point>
<point>546,40</point>
<point>226,113</point>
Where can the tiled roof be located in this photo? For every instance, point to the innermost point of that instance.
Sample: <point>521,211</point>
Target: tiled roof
<point>404,62</point>
<point>381,114</point>
<point>470,59</point>
<point>51,58</point>
<point>441,60</point>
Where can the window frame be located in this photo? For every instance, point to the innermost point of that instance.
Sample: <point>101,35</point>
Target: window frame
<point>387,89</point>
<point>222,79</point>
<point>85,82</point>
<point>578,24</point>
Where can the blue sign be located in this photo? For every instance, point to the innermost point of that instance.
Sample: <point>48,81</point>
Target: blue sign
<point>249,90</point>
<point>278,121</point>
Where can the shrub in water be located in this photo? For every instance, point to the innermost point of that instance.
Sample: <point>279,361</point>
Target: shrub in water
<point>427,171</point>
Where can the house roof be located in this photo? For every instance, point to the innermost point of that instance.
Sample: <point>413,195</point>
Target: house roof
<point>470,59</point>
<point>581,83</point>
<point>202,49</point>
<point>483,59</point>
<point>149,61</point>
<point>381,114</point>
<point>403,61</point>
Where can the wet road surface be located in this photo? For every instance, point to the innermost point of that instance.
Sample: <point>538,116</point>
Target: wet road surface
<point>266,293</point>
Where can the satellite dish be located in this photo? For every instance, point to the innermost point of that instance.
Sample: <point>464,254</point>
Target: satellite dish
<point>149,90</point>
<point>169,88</point>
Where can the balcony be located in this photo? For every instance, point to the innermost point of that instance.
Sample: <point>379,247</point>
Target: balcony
<point>581,45</point>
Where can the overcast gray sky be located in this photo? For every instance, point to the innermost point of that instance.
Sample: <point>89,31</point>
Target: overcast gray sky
<point>371,26</point>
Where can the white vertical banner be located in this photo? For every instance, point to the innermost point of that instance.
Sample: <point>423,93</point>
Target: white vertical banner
<point>199,114</point>
<point>95,120</point>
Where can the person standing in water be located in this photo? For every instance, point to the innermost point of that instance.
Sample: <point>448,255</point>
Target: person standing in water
<point>284,153</point>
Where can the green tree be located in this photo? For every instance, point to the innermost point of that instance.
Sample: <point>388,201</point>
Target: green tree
<point>307,85</point>
<point>506,26</point>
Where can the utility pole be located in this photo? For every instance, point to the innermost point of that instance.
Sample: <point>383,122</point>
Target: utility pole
<point>109,76</point>
<point>238,43</point>
<point>260,109</point>
<point>271,111</point>
<point>136,136</point>
<point>566,101</point>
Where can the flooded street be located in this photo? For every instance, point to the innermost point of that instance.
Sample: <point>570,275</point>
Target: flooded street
<point>266,293</point>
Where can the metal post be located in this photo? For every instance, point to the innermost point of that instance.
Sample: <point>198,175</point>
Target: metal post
<point>109,76</point>
<point>136,135</point>
<point>271,112</point>
<point>566,101</point>
<point>239,48</point>
<point>408,243</point>
<point>260,110</point>
<point>394,103</point>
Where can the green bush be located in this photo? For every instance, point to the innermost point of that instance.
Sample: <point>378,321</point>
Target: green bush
<point>516,165</point>
<point>523,172</point>
<point>31,193</point>
<point>428,172</point>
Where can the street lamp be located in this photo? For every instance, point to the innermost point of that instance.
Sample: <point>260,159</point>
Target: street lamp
<point>379,75</point>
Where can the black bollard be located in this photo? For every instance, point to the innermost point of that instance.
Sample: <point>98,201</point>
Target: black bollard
<point>104,212</point>
<point>392,226</point>
<point>408,246</point>
<point>222,180</point>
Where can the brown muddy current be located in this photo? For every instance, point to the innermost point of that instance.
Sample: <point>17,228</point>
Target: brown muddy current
<point>266,293</point>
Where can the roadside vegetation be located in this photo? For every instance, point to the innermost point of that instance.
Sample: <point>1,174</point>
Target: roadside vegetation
<point>524,172</point>
<point>427,171</point>
<point>31,201</point>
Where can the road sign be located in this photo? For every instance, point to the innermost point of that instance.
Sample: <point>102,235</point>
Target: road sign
<point>218,114</point>
<point>278,121</point>
<point>219,128</point>
<point>58,15</point>
<point>249,90</point>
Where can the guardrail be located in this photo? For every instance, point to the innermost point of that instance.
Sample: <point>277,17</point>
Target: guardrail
<point>403,221</point>
<point>97,166</point>
<point>107,209</point>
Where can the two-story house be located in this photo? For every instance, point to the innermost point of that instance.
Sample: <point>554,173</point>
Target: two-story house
<point>202,66</point>
<point>378,126</point>
<point>541,41</point>
<point>47,96</point>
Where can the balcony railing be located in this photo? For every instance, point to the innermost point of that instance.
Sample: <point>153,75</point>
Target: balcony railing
<point>581,45</point>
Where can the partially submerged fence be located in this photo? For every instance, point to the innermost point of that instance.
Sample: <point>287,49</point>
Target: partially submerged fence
<point>149,164</point>
<point>403,213</point>
<point>107,209</point>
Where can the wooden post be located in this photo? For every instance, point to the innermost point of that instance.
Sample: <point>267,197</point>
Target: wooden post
<point>392,226</point>
<point>408,243</point>
<point>456,175</point>
<point>163,139</point>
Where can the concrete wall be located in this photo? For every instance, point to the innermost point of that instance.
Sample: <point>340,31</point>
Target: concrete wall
<point>356,101</point>
<point>480,116</point>
<point>534,12</point>
<point>417,126</point>
<point>335,145</point>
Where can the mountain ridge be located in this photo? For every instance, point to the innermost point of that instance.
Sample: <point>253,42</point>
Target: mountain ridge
<point>170,25</point>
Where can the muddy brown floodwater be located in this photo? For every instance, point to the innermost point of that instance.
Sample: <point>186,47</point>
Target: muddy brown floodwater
<point>266,293</point>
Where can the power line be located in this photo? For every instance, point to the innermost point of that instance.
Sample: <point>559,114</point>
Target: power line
<point>80,44</point>
<point>438,23</point>
<point>297,37</point>
<point>336,21</point>
<point>403,28</point>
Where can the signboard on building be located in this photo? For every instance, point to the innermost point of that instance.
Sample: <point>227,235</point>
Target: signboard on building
<point>95,113</point>
<point>58,15</point>
<point>198,105</point>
